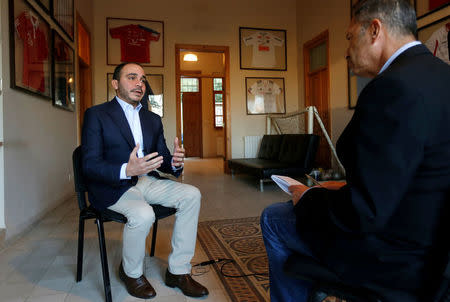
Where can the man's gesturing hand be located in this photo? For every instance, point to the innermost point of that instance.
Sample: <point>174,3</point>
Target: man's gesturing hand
<point>178,154</point>
<point>143,165</point>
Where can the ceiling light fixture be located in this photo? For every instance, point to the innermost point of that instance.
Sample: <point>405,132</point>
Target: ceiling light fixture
<point>190,57</point>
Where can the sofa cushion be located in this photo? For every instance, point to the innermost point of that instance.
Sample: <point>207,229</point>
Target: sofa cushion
<point>297,148</point>
<point>270,147</point>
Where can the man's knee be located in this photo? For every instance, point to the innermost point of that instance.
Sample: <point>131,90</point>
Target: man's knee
<point>142,217</point>
<point>275,211</point>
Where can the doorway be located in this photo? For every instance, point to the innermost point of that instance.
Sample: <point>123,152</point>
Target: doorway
<point>317,90</point>
<point>84,70</point>
<point>209,117</point>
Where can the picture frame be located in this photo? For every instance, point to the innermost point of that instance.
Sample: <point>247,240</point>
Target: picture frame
<point>122,44</point>
<point>355,85</point>
<point>427,7</point>
<point>262,49</point>
<point>30,55</point>
<point>63,70</point>
<point>265,95</point>
<point>45,5</point>
<point>435,37</point>
<point>64,14</point>
<point>155,101</point>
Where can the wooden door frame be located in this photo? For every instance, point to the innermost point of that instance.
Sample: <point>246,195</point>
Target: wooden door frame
<point>322,37</point>
<point>319,39</point>
<point>88,65</point>
<point>227,114</point>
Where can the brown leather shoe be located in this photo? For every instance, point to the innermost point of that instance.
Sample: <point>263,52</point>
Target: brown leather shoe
<point>137,287</point>
<point>188,286</point>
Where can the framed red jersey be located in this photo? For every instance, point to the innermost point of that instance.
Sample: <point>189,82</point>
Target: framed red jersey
<point>29,50</point>
<point>135,40</point>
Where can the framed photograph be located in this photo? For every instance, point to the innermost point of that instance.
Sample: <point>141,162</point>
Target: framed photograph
<point>435,37</point>
<point>412,2</point>
<point>262,49</point>
<point>63,73</point>
<point>135,40</point>
<point>427,7</point>
<point>155,99</point>
<point>30,44</point>
<point>265,95</point>
<point>63,13</point>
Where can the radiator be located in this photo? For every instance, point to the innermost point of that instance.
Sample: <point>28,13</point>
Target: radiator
<point>251,145</point>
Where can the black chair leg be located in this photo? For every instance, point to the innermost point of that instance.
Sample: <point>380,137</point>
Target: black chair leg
<point>104,259</point>
<point>155,229</point>
<point>80,249</point>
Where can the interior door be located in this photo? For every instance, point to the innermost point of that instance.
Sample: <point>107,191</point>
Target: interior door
<point>317,91</point>
<point>192,124</point>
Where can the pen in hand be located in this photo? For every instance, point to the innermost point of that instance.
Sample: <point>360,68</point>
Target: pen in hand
<point>313,180</point>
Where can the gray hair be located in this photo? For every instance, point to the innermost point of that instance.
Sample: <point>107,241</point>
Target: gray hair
<point>397,15</point>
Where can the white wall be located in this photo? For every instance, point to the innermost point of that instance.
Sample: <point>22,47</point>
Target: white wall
<point>38,144</point>
<point>208,23</point>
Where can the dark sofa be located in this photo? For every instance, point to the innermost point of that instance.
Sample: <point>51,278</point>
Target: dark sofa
<point>284,154</point>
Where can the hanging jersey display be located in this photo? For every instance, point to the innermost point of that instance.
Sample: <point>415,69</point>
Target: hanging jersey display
<point>438,43</point>
<point>264,44</point>
<point>266,94</point>
<point>134,42</point>
<point>35,50</point>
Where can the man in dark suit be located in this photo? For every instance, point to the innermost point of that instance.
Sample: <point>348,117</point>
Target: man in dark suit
<point>385,228</point>
<point>122,146</point>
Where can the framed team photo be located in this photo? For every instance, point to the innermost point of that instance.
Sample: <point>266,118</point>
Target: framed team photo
<point>262,49</point>
<point>63,13</point>
<point>30,50</point>
<point>435,37</point>
<point>63,73</point>
<point>265,95</point>
<point>135,40</point>
<point>155,102</point>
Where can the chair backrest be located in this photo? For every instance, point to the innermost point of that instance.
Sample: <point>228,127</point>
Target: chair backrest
<point>80,185</point>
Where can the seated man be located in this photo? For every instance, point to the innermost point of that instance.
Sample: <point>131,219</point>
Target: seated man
<point>383,229</point>
<point>123,145</point>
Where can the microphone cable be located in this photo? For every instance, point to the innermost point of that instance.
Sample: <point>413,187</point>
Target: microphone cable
<point>225,262</point>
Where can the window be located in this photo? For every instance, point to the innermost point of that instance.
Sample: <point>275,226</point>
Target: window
<point>218,102</point>
<point>189,85</point>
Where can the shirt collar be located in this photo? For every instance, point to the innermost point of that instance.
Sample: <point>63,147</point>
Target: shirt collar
<point>397,53</point>
<point>125,106</point>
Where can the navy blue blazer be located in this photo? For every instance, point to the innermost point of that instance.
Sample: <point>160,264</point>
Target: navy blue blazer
<point>386,227</point>
<point>106,144</point>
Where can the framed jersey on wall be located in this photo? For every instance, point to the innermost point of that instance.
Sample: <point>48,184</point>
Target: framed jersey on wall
<point>135,40</point>
<point>265,95</point>
<point>262,49</point>
<point>30,55</point>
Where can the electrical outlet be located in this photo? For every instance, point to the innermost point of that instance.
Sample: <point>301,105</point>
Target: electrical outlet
<point>70,177</point>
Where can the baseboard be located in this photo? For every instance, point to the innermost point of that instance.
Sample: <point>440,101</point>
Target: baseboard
<point>33,222</point>
<point>2,238</point>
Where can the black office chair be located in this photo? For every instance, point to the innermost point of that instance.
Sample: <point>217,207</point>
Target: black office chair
<point>326,283</point>
<point>89,212</point>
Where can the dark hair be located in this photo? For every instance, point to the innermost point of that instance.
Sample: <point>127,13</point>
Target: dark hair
<point>118,69</point>
<point>397,15</point>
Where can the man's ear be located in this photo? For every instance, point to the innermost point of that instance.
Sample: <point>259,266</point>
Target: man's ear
<point>375,29</point>
<point>115,84</point>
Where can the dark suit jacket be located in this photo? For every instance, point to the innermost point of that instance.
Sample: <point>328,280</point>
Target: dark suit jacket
<point>106,144</point>
<point>384,227</point>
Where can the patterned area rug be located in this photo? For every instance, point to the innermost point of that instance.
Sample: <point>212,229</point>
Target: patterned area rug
<point>241,240</point>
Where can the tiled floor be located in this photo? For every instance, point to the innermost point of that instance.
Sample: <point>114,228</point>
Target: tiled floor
<point>41,266</point>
